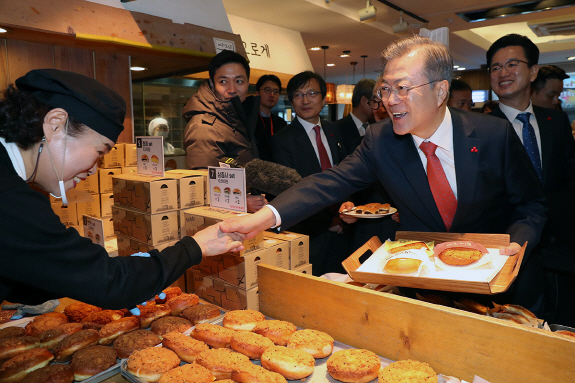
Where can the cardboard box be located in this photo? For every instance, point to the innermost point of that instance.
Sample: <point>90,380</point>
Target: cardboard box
<point>203,173</point>
<point>201,217</point>
<point>89,208</point>
<point>114,159</point>
<point>108,227</point>
<point>130,170</point>
<point>106,183</point>
<point>152,229</point>
<point>67,214</point>
<point>90,184</point>
<point>190,188</point>
<point>278,253</point>
<point>128,246</point>
<point>130,155</point>
<point>299,246</point>
<point>106,202</point>
<point>305,269</point>
<point>145,193</point>
<point>222,294</point>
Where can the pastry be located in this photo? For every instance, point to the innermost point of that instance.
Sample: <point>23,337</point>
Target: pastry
<point>16,368</point>
<point>200,313</point>
<point>250,344</point>
<point>460,256</point>
<point>11,347</point>
<point>221,362</point>
<point>214,336</point>
<point>188,373</point>
<point>12,332</point>
<point>251,373</point>
<point>316,343</point>
<point>407,371</point>
<point>98,319</point>
<point>149,364</point>
<point>353,366</point>
<point>79,310</point>
<point>186,347</point>
<point>49,339</point>
<point>242,319</point>
<point>290,363</point>
<point>126,344</point>
<point>181,302</point>
<point>114,329</point>
<point>45,322</point>
<point>277,330</point>
<point>409,246</point>
<point>170,293</point>
<point>91,361</point>
<point>168,324</point>
<point>55,373</point>
<point>72,343</point>
<point>151,312</point>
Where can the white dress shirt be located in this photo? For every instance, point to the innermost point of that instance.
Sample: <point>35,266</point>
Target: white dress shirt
<point>358,124</point>
<point>308,126</point>
<point>511,114</point>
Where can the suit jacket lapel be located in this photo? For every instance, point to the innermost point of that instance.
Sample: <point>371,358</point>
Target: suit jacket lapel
<point>307,152</point>
<point>334,145</point>
<point>546,134</point>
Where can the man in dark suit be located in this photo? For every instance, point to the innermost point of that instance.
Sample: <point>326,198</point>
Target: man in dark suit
<point>546,134</point>
<point>352,127</point>
<point>310,145</point>
<point>268,87</point>
<point>479,180</point>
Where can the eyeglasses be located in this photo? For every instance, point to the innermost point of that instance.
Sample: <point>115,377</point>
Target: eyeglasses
<point>384,93</point>
<point>311,95</point>
<point>275,92</point>
<point>374,104</point>
<point>510,65</point>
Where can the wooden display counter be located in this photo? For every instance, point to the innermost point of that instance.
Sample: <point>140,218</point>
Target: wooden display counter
<point>453,342</point>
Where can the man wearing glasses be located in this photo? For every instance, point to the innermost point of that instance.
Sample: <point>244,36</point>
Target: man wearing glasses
<point>268,88</point>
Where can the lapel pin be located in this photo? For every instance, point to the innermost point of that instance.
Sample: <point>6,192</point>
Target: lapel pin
<point>548,118</point>
<point>474,150</point>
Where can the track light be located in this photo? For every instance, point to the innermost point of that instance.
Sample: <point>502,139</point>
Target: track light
<point>366,13</point>
<point>401,26</point>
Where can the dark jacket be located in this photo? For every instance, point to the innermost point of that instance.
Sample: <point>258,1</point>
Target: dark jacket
<point>219,129</point>
<point>264,134</point>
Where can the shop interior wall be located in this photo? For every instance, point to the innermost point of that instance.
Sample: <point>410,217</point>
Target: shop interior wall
<point>18,57</point>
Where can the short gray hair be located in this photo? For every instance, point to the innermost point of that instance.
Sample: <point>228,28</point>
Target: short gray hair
<point>438,63</point>
<point>364,88</point>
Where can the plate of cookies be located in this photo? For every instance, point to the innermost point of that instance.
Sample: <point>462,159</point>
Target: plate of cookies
<point>371,210</point>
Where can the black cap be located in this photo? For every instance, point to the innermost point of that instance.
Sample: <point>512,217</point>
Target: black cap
<point>84,98</point>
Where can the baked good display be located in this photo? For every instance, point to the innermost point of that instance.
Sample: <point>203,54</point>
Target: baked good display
<point>11,332</point>
<point>353,366</point>
<point>150,363</point>
<point>214,336</point>
<point>79,310</point>
<point>569,334</point>
<point>186,347</point>
<point>49,339</point>
<point>316,343</point>
<point>91,361</point>
<point>250,344</point>
<point>151,312</point>
<point>114,329</point>
<point>98,319</point>
<point>407,371</point>
<point>54,373</point>
<point>188,373</point>
<point>290,363</point>
<point>77,341</point>
<point>242,319</point>
<point>278,331</point>
<point>460,256</point>
<point>16,368</point>
<point>45,322</point>
<point>409,246</point>
<point>200,313</point>
<point>168,324</point>
<point>136,340</point>
<point>170,293</point>
<point>473,306</point>
<point>10,347</point>
<point>221,362</point>
<point>251,373</point>
<point>373,208</point>
<point>181,302</point>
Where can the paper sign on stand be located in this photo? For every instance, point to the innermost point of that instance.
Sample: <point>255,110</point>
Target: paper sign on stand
<point>150,155</point>
<point>94,229</point>
<point>227,188</point>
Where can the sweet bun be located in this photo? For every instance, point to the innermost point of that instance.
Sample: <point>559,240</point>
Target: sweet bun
<point>54,373</point>
<point>168,324</point>
<point>188,373</point>
<point>12,332</point>
<point>402,266</point>
<point>91,361</point>
<point>407,371</point>
<point>149,364</point>
<point>97,320</point>
<point>251,373</point>
<point>291,364</point>
<point>151,312</point>
<point>49,339</point>
<point>181,302</point>
<point>72,343</point>
<point>45,322</point>
<point>354,366</point>
<point>126,344</point>
<point>214,336</point>
<point>170,293</point>
<point>16,368</point>
<point>11,347</point>
<point>221,362</point>
<point>242,319</point>
<point>409,246</point>
<point>79,310</point>
<point>187,348</point>
<point>278,331</point>
<point>114,329</point>
<point>200,313</point>
<point>250,344</point>
<point>316,343</point>
<point>460,256</point>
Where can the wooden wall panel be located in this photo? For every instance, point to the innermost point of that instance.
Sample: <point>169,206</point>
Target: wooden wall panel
<point>3,69</point>
<point>74,60</point>
<point>113,70</point>
<point>23,56</point>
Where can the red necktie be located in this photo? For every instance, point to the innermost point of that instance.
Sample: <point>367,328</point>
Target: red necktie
<point>323,157</point>
<point>442,192</point>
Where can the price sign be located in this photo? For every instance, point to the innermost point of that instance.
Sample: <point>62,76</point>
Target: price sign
<point>224,45</point>
<point>94,229</point>
<point>227,188</point>
<point>150,152</point>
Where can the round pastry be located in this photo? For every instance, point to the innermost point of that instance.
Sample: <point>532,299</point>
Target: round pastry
<point>214,336</point>
<point>407,371</point>
<point>278,331</point>
<point>250,344</point>
<point>45,322</point>
<point>200,313</point>
<point>402,265</point>
<point>181,302</point>
<point>221,362</point>
<point>15,369</point>
<point>353,366</point>
<point>55,373</point>
<point>188,373</point>
<point>49,339</point>
<point>316,343</point>
<point>91,361</point>
<point>170,293</point>
<point>251,373</point>
<point>187,348</point>
<point>72,343</point>
<point>79,310</point>
<point>97,320</point>
<point>242,319</point>
<point>114,329</point>
<point>168,324</point>
<point>12,332</point>
<point>291,364</point>
<point>151,312</point>
<point>126,344</point>
<point>150,363</point>
<point>460,256</point>
<point>10,347</point>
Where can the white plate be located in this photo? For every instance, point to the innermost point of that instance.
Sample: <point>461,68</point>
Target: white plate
<point>392,210</point>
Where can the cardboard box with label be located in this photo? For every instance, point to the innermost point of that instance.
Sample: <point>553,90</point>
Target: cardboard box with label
<point>130,155</point>
<point>106,203</point>
<point>90,184</point>
<point>67,214</point>
<point>108,227</point>
<point>190,187</point>
<point>128,246</point>
<point>299,246</point>
<point>146,193</point>
<point>129,170</point>
<point>114,159</point>
<point>91,208</point>
<point>278,252</point>
<point>152,229</point>
<point>105,179</point>
<point>203,173</point>
<point>222,294</point>
<point>305,269</point>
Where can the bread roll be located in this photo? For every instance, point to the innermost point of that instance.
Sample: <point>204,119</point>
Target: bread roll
<point>55,373</point>
<point>91,361</point>
<point>188,373</point>
<point>79,310</point>
<point>407,371</point>
<point>200,313</point>
<point>250,373</point>
<point>214,336</point>
<point>11,347</point>
<point>11,332</point>
<point>49,339</point>
<point>242,319</point>
<point>16,368</point>
<point>402,266</point>
<point>114,329</point>
<point>149,364</point>
<point>316,343</point>
<point>126,344</point>
<point>277,330</point>
<point>250,344</point>
<point>354,366</point>
<point>168,324</point>
<point>181,302</point>
<point>186,347</point>
<point>77,341</point>
<point>221,362</point>
<point>45,322</point>
<point>290,363</point>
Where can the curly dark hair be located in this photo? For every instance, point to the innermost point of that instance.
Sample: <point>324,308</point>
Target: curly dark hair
<point>22,118</point>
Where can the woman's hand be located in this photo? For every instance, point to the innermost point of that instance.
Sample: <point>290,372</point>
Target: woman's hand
<point>347,206</point>
<point>213,241</point>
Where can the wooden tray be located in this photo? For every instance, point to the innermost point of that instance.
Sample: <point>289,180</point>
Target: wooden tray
<point>500,282</point>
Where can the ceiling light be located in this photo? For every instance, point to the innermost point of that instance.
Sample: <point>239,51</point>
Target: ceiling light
<point>345,54</point>
<point>571,58</point>
<point>367,13</point>
<point>401,26</point>
<point>138,68</point>
<point>331,64</point>
<point>460,68</point>
<point>455,66</point>
<point>315,49</point>
<point>4,30</point>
